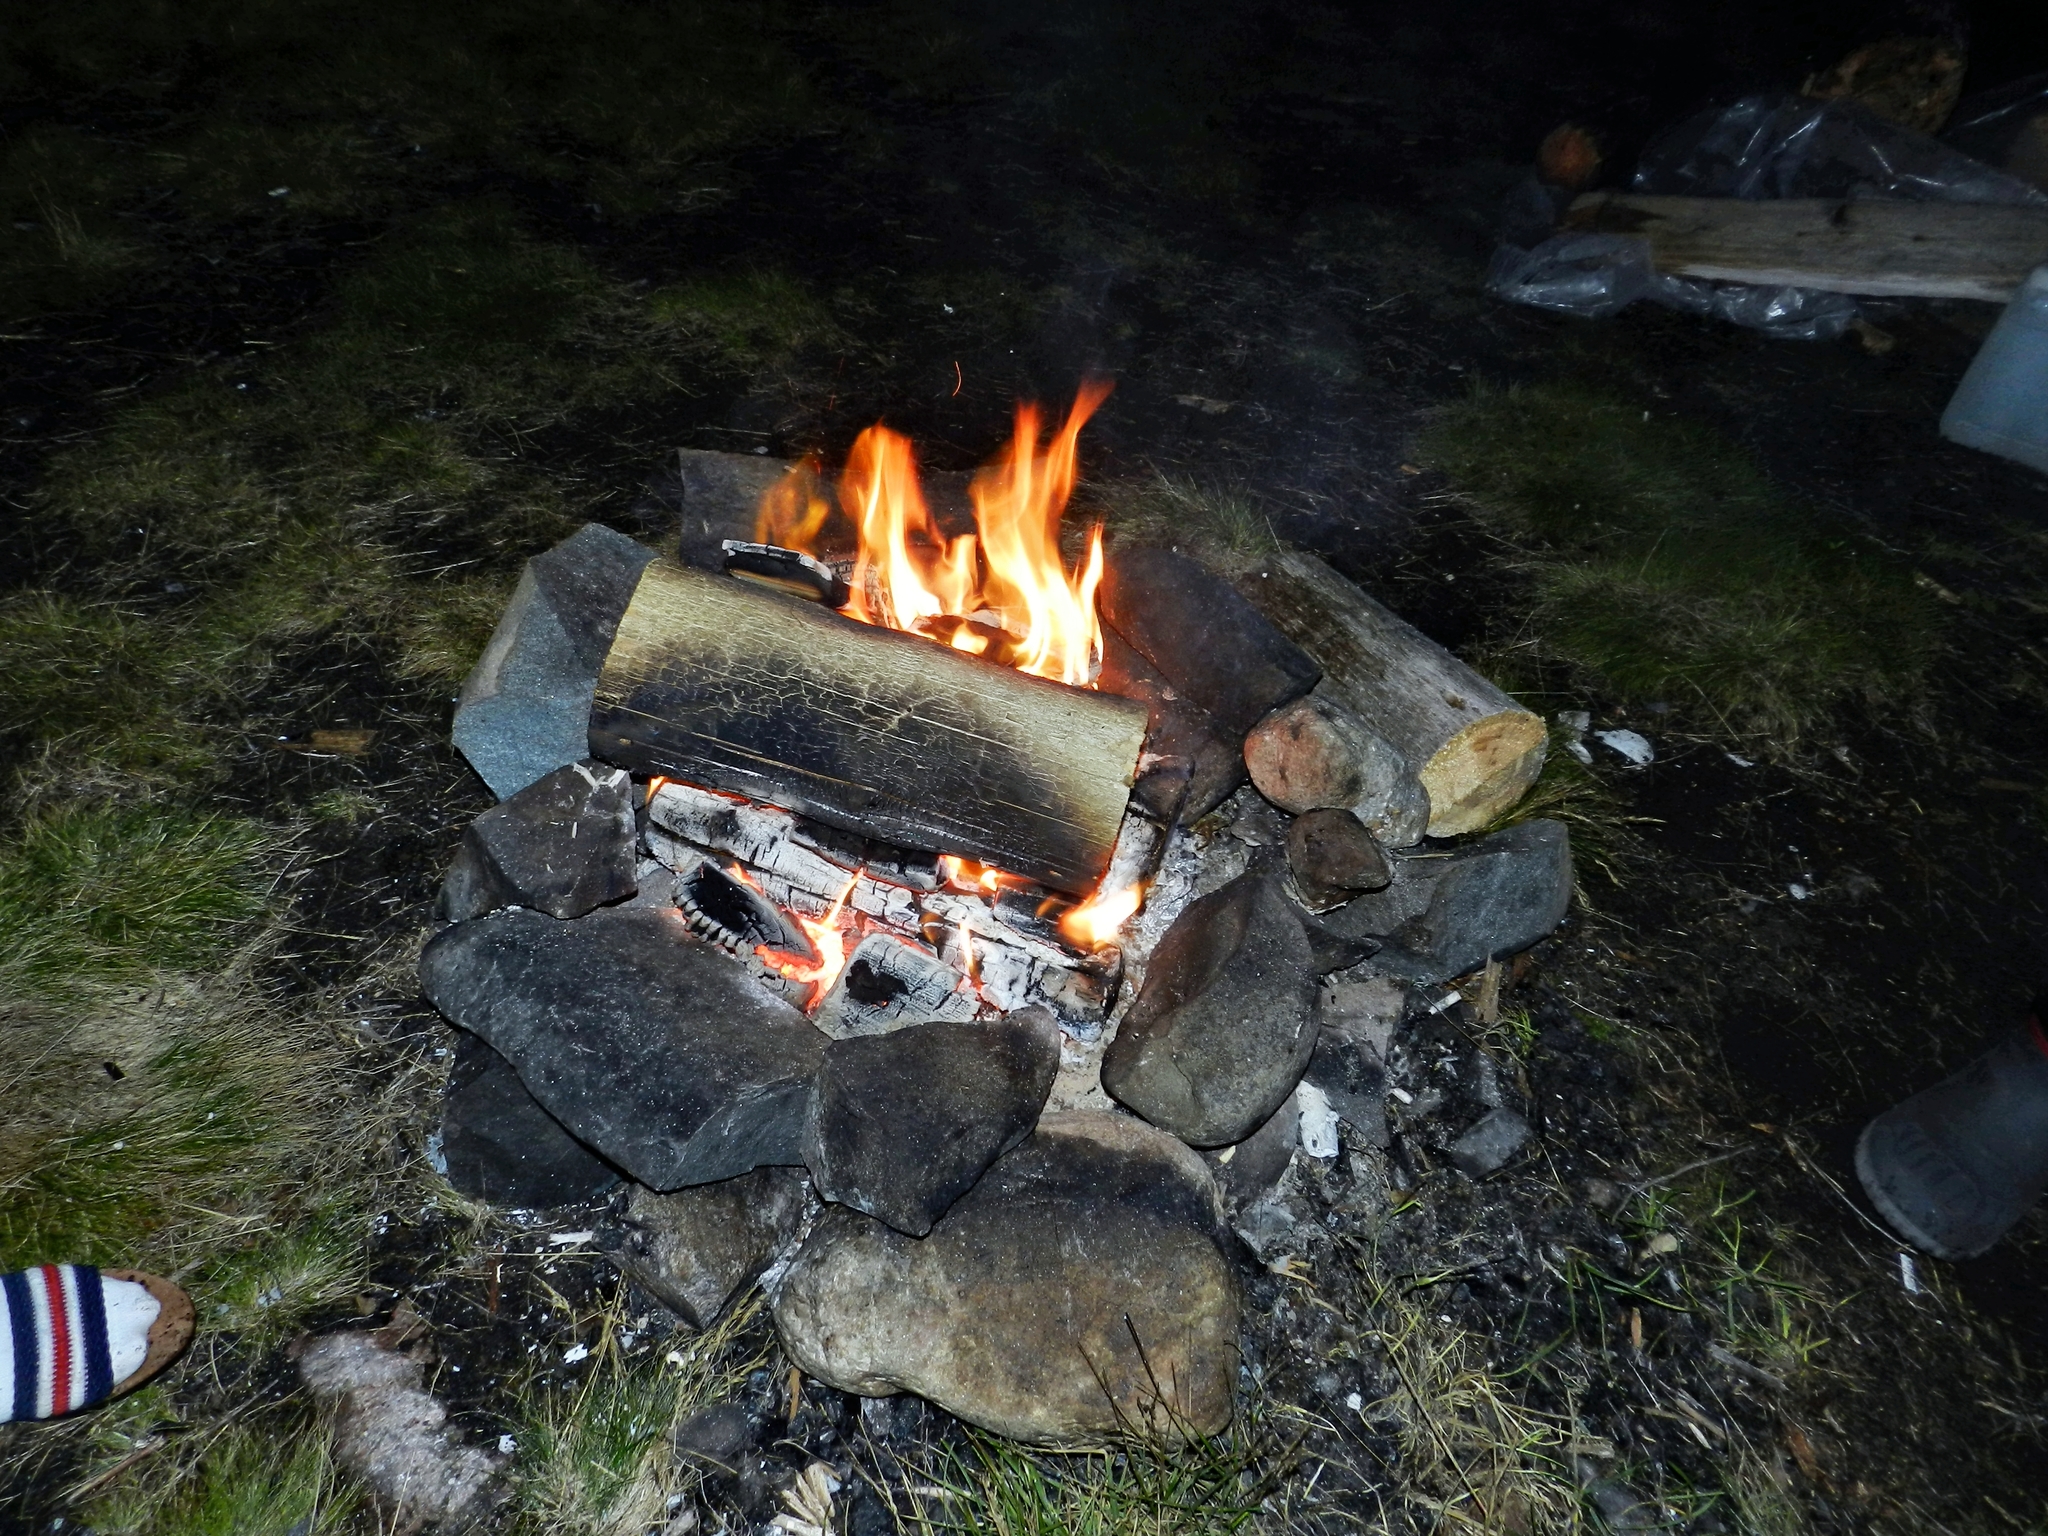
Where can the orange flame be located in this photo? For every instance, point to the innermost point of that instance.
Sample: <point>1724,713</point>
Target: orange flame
<point>966,875</point>
<point>827,938</point>
<point>1004,591</point>
<point>1101,917</point>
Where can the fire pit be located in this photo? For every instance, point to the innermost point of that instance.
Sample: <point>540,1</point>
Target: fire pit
<point>853,840</point>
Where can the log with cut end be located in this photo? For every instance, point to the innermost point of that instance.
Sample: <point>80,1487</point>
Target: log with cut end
<point>1475,749</point>
<point>870,730</point>
<point>1873,245</point>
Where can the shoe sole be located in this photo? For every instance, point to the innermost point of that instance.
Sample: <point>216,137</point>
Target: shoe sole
<point>1897,1219</point>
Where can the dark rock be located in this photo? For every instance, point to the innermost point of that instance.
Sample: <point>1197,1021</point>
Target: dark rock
<point>1489,1142</point>
<point>1331,951</point>
<point>1246,1172</point>
<point>721,497</point>
<point>903,1124</point>
<point>1316,753</point>
<point>525,707</point>
<point>1019,1312</point>
<point>1216,773</point>
<point>696,1249</point>
<point>563,845</point>
<point>500,1145</point>
<point>1333,857</point>
<point>723,1444</point>
<point>650,1045</point>
<point>1190,765</point>
<point>1354,1080</point>
<point>1225,1022</point>
<point>1204,637</point>
<point>1445,917</point>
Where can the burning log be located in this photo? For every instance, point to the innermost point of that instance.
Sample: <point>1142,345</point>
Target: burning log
<point>873,731</point>
<point>1475,749</point>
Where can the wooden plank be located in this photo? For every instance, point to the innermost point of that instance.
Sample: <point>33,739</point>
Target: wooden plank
<point>1475,749</point>
<point>1862,245</point>
<point>729,685</point>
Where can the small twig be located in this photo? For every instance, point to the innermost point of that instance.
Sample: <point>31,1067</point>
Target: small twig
<point>1633,1190</point>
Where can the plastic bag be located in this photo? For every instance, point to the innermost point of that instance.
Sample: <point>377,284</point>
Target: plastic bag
<point>1756,148</point>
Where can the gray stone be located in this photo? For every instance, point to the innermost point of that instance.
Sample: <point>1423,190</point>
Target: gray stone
<point>651,1046</point>
<point>1489,1142</point>
<point>888,984</point>
<point>1079,1291</point>
<point>721,498</point>
<point>903,1124</point>
<point>695,1249</point>
<point>499,1145</point>
<point>525,707</point>
<point>563,845</point>
<point>1447,916</point>
<point>1225,1022</point>
<point>1354,1079</point>
<point>1247,1171</point>
<point>1204,637</point>
<point>1333,857</point>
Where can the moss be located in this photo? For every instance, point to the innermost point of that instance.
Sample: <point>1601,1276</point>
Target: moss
<point>1666,566</point>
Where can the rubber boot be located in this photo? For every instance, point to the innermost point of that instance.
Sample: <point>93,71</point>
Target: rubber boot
<point>1954,1167</point>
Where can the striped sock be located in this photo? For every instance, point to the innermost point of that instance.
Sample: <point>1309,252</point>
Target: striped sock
<point>68,1337</point>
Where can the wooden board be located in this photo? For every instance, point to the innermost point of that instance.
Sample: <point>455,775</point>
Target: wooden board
<point>729,685</point>
<point>1864,245</point>
<point>1475,749</point>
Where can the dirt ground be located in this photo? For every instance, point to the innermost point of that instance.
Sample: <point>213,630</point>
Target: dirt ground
<point>1268,224</point>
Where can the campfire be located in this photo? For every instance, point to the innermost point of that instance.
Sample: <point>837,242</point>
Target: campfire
<point>888,843</point>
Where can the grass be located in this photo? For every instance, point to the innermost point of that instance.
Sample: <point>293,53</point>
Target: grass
<point>992,1487</point>
<point>1180,512</point>
<point>1664,565</point>
<point>249,1479</point>
<point>600,1459</point>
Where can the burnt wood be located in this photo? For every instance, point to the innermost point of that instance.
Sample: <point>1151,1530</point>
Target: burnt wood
<point>869,730</point>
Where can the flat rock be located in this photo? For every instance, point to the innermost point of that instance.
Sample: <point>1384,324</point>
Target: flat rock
<point>1333,858</point>
<point>1489,1142</point>
<point>1247,1171</point>
<point>1353,1078</point>
<point>1316,752</point>
<point>1018,1313</point>
<point>1447,916</point>
<point>1204,637</point>
<point>501,1146</point>
<point>902,1124</point>
<point>524,710</point>
<point>563,845</point>
<point>651,1046</point>
<point>1225,1021</point>
<point>695,1249</point>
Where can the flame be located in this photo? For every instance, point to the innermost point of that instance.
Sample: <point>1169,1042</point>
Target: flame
<point>826,937</point>
<point>1101,917</point>
<point>1003,591</point>
<point>966,875</point>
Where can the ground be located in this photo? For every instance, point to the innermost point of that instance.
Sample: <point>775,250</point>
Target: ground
<point>320,319</point>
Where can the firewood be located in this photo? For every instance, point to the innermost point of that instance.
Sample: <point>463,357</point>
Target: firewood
<point>1475,749</point>
<point>1862,245</point>
<point>874,731</point>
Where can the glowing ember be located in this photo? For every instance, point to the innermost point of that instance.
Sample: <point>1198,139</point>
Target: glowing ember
<point>1101,917</point>
<point>827,938</point>
<point>1004,591</point>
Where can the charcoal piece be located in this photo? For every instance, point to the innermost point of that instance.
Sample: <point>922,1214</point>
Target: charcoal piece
<point>1333,857</point>
<point>903,1124</point>
<point>1082,1280</point>
<point>1354,1080</point>
<point>524,710</point>
<point>1225,1022</point>
<point>501,1146</point>
<point>1204,637</point>
<point>651,1046</point>
<point>889,983</point>
<point>1247,1170</point>
<point>1447,916</point>
<point>1489,1143</point>
<point>695,1249</point>
<point>563,845</point>
<point>785,570</point>
<point>737,918</point>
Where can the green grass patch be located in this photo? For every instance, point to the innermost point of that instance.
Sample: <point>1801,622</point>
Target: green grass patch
<point>745,318</point>
<point>1180,512</point>
<point>1665,565</point>
<point>98,896</point>
<point>246,1479</point>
